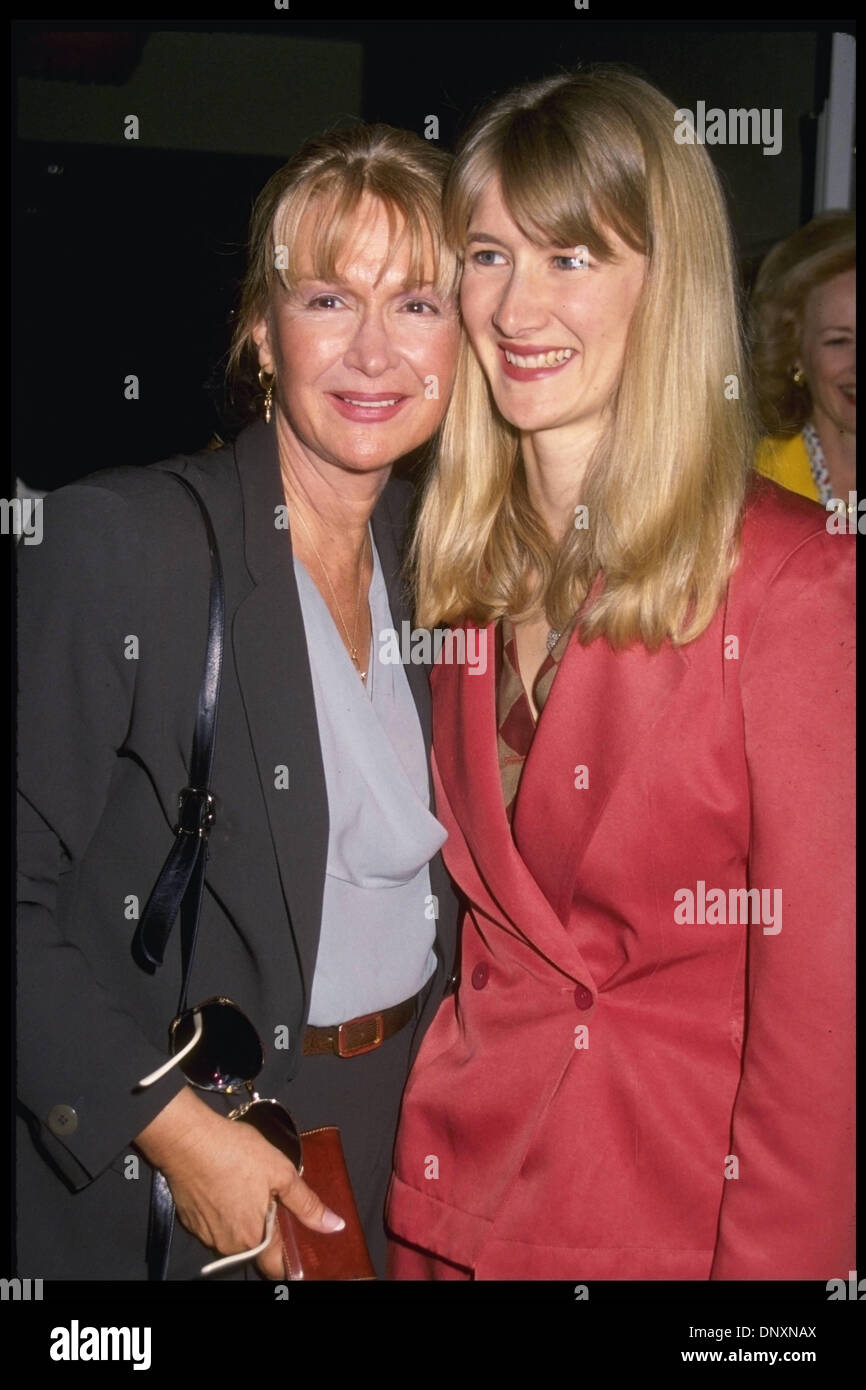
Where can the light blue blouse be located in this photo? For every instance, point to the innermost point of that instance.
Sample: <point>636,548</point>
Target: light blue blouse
<point>378,914</point>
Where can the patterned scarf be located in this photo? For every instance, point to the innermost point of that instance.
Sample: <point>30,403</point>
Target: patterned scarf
<point>514,719</point>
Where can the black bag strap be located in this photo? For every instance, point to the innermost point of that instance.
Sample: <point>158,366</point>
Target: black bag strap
<point>181,879</point>
<point>180,884</point>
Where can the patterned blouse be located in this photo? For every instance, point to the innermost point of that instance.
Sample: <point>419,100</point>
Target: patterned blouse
<point>514,718</point>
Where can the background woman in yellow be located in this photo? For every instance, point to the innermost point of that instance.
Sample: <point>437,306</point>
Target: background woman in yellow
<point>805,330</point>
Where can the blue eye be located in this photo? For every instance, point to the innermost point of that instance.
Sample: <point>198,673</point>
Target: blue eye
<point>580,261</point>
<point>478,257</point>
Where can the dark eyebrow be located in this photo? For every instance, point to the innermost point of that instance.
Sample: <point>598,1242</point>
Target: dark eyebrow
<point>839,328</point>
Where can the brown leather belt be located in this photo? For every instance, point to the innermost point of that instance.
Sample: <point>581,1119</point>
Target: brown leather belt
<point>359,1035</point>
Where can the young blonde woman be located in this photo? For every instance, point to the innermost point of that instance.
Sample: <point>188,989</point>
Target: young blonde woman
<point>646,1070</point>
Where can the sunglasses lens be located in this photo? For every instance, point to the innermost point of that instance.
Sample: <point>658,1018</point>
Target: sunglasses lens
<point>275,1124</point>
<point>228,1052</point>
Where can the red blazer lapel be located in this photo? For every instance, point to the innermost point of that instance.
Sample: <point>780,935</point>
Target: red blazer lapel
<point>464,738</point>
<point>601,708</point>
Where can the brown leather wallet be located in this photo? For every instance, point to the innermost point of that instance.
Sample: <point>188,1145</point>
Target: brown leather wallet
<point>341,1254</point>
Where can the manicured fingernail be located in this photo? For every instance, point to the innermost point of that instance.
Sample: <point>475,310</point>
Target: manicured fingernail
<point>332,1222</point>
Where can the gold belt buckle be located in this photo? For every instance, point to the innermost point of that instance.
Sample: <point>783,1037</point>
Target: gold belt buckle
<point>359,1029</point>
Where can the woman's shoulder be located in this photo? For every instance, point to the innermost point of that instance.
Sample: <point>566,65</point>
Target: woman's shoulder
<point>121,525</point>
<point>209,470</point>
<point>788,541</point>
<point>147,498</point>
<point>780,517</point>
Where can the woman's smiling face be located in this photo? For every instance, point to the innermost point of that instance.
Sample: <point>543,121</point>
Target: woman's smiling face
<point>548,324</point>
<point>828,350</point>
<point>354,356</point>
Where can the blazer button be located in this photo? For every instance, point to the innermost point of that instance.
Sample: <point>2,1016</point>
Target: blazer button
<point>480,975</point>
<point>62,1120</point>
<point>583,997</point>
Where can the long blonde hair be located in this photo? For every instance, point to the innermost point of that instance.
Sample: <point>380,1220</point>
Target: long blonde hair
<point>665,488</point>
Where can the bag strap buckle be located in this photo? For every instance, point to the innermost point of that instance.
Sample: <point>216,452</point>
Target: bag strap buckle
<point>196,812</point>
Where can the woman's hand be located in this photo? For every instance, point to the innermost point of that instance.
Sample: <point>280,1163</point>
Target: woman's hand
<point>223,1175</point>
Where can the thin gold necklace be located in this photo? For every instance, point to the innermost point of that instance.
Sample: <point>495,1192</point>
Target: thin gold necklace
<point>352,641</point>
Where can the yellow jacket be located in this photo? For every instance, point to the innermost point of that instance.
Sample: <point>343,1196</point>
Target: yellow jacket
<point>784,459</point>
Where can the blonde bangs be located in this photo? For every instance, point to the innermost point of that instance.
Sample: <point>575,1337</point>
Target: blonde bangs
<point>322,221</point>
<point>562,186</point>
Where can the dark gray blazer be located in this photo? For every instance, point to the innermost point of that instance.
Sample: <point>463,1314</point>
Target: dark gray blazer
<point>112,627</point>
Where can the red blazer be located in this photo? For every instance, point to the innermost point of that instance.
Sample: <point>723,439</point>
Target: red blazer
<point>616,1092</point>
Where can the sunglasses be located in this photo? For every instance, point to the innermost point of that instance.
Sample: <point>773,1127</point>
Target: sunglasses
<point>218,1049</point>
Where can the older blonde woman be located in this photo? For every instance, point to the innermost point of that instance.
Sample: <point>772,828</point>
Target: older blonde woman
<point>804,312</point>
<point>327,918</point>
<point>646,1071</point>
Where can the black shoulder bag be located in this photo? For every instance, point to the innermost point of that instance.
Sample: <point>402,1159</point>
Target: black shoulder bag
<point>180,884</point>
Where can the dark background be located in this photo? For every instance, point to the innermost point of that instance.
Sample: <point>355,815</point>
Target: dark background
<point>128,254</point>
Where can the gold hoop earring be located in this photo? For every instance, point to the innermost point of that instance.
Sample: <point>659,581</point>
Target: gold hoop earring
<point>798,376</point>
<point>266,381</point>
